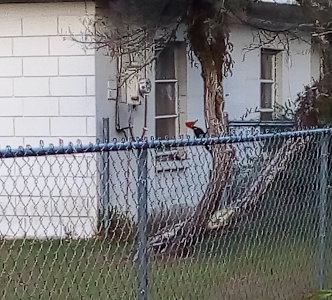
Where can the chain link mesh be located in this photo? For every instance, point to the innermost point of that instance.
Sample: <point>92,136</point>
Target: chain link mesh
<point>68,220</point>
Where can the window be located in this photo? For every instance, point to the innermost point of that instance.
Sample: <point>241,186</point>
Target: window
<point>269,75</point>
<point>169,67</point>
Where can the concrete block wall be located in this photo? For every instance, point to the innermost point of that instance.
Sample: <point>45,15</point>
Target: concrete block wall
<point>47,81</point>
<point>47,92</point>
<point>48,196</point>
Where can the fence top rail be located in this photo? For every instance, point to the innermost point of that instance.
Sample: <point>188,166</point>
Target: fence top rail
<point>152,143</point>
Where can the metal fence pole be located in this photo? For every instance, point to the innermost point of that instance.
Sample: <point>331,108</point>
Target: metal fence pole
<point>106,176</point>
<point>322,210</point>
<point>142,222</point>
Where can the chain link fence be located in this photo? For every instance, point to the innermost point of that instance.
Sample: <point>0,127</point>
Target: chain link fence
<point>235,217</point>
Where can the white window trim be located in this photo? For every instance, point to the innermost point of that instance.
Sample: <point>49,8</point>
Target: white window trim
<point>166,80</point>
<point>176,95</point>
<point>272,81</point>
<point>171,165</point>
<point>166,116</point>
<point>267,81</point>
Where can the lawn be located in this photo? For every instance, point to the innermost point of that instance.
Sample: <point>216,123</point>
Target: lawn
<point>240,265</point>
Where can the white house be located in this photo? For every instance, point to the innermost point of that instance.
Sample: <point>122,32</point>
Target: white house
<point>52,88</point>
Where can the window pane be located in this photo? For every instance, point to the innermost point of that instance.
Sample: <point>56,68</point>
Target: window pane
<point>165,65</point>
<point>165,127</point>
<point>266,95</point>
<point>165,99</point>
<point>266,65</point>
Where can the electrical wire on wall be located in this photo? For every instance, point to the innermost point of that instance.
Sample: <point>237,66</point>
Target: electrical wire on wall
<point>143,87</point>
<point>145,127</point>
<point>118,127</point>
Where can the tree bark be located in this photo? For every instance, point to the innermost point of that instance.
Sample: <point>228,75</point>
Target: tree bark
<point>210,45</point>
<point>208,41</point>
<point>208,35</point>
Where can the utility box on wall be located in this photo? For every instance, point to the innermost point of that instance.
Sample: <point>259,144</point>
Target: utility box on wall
<point>136,89</point>
<point>132,91</point>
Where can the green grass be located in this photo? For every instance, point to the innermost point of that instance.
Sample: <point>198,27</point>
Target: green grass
<point>85,269</point>
<point>240,265</point>
<point>271,254</point>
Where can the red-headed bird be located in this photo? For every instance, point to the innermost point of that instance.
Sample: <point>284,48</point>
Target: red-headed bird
<point>199,133</point>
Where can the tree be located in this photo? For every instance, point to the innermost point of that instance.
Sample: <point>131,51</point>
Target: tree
<point>317,99</point>
<point>148,25</point>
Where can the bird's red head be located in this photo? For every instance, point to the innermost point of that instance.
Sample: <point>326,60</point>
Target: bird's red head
<point>191,124</point>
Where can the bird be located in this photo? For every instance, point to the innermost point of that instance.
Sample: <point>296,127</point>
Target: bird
<point>199,132</point>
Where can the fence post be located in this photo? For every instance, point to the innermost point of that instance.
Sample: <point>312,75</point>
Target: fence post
<point>106,176</point>
<point>142,222</point>
<point>322,210</point>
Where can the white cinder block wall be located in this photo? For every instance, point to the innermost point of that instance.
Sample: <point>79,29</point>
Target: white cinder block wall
<point>47,81</point>
<point>47,91</point>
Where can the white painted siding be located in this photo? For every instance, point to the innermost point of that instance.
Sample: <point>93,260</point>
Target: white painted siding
<point>242,89</point>
<point>46,93</point>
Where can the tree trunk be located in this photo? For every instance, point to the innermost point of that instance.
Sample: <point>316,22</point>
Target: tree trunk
<point>222,155</point>
<point>209,42</point>
<point>210,45</point>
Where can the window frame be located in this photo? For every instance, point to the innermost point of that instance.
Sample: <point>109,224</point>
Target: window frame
<point>272,82</point>
<point>173,159</point>
<point>174,81</point>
